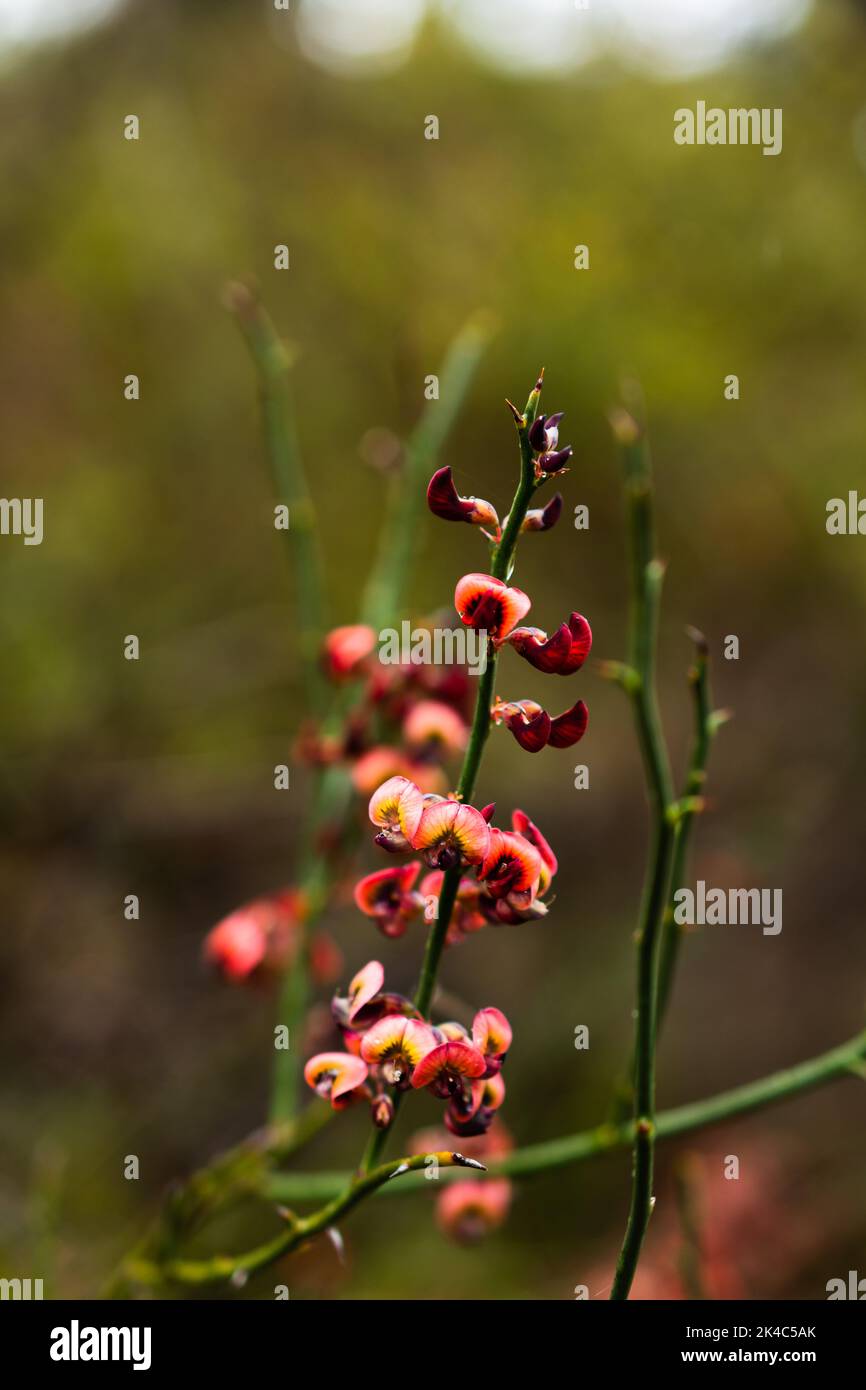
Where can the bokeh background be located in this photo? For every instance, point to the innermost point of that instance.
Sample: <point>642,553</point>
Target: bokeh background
<point>156,777</point>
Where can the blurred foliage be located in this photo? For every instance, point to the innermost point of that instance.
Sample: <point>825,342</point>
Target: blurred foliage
<point>155,777</point>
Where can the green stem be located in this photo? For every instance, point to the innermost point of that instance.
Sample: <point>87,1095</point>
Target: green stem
<point>647,575</point>
<point>539,1159</point>
<point>705,725</point>
<point>273,363</point>
<point>298,1229</point>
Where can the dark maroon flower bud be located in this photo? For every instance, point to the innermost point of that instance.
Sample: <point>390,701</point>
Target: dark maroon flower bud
<point>555,462</point>
<point>543,518</point>
<point>382,1111</point>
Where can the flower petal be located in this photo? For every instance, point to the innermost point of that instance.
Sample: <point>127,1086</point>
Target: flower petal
<point>568,728</point>
<point>459,1058</point>
<point>491,1032</point>
<point>333,1074</point>
<point>365,985</point>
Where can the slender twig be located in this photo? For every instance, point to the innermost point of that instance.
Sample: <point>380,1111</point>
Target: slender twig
<point>706,723</point>
<point>647,573</point>
<point>298,1229</point>
<point>536,1160</point>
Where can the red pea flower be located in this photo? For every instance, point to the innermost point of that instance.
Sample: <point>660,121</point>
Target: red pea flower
<point>387,896</point>
<point>345,648</point>
<point>521,823</point>
<point>336,1076</point>
<point>563,653</point>
<point>527,720</point>
<point>533,727</point>
<point>398,1045</point>
<point>470,1115</point>
<point>492,1035</point>
<point>467,1211</point>
<point>444,501</point>
<point>364,986</point>
<point>511,868</point>
<point>446,1068</point>
<point>451,833</point>
<point>396,807</point>
<point>489,605</point>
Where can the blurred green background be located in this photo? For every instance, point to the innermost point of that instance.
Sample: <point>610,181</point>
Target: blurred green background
<point>156,777</point>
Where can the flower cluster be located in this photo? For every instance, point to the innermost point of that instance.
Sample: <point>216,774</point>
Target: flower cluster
<point>487,603</point>
<point>490,605</point>
<point>388,1044</point>
<point>510,871</point>
<point>407,718</point>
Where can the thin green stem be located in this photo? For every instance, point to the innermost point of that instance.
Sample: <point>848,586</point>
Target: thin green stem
<point>539,1159</point>
<point>705,725</point>
<point>647,575</point>
<point>298,1229</point>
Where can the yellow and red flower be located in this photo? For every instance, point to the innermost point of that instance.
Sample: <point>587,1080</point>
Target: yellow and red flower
<point>388,897</point>
<point>451,833</point>
<point>363,987</point>
<point>396,808</point>
<point>522,825</point>
<point>490,605</point>
<point>398,1045</point>
<point>511,868</point>
<point>447,1068</point>
<point>444,501</point>
<point>492,1035</point>
<point>336,1076</point>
